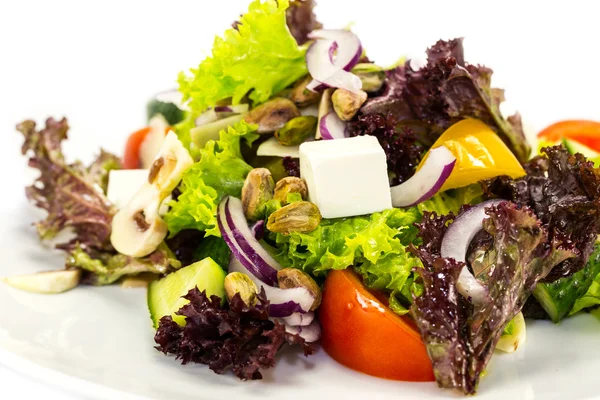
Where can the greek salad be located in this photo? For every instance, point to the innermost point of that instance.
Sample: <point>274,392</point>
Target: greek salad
<point>292,191</point>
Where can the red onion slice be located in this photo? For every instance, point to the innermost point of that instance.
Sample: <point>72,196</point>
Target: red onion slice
<point>238,236</point>
<point>456,242</point>
<point>258,229</point>
<point>310,333</point>
<point>300,319</point>
<point>323,70</point>
<point>427,181</point>
<point>347,44</point>
<point>332,127</point>
<point>349,51</point>
<point>207,117</point>
<point>284,302</point>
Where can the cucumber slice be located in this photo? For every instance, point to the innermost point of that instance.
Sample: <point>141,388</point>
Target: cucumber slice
<point>203,133</point>
<point>164,295</point>
<point>509,343</point>
<point>576,147</point>
<point>168,104</point>
<point>558,297</point>
<point>48,282</point>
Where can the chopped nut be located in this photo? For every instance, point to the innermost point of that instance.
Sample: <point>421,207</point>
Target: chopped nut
<point>289,278</point>
<point>237,282</point>
<point>346,104</point>
<point>301,96</point>
<point>290,184</point>
<point>372,76</point>
<point>301,216</point>
<point>256,192</point>
<point>297,130</point>
<point>272,115</point>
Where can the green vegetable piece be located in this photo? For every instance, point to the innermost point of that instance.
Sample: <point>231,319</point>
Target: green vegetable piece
<point>170,111</point>
<point>215,248</point>
<point>513,336</point>
<point>575,147</point>
<point>204,133</point>
<point>258,58</point>
<point>48,282</point>
<point>297,130</point>
<point>559,298</point>
<point>165,295</point>
<point>372,76</point>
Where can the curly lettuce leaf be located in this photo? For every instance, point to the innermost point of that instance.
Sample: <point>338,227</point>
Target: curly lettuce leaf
<point>221,171</point>
<point>70,193</point>
<point>301,19</point>
<point>444,91</point>
<point>376,245</point>
<point>105,268</point>
<point>461,336</point>
<point>564,192</point>
<point>259,57</point>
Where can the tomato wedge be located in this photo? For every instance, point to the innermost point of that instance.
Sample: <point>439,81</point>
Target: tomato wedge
<point>131,159</point>
<point>583,131</point>
<point>360,332</point>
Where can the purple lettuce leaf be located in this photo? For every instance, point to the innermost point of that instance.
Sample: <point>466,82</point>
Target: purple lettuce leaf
<point>237,337</point>
<point>71,194</point>
<point>403,152</point>
<point>446,90</point>
<point>460,336</point>
<point>564,192</point>
<point>301,19</point>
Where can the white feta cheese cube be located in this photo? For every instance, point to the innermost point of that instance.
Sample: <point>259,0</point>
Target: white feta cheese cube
<point>346,177</point>
<point>123,184</point>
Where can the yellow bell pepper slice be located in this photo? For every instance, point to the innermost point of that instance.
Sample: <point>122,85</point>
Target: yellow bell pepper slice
<point>480,154</point>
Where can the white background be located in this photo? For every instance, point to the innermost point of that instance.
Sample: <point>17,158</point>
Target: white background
<point>98,62</point>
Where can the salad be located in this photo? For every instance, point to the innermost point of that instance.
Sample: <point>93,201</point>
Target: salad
<point>293,192</point>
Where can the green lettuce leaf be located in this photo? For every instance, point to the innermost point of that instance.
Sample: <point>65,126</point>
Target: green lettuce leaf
<point>105,268</point>
<point>376,245</point>
<point>221,171</point>
<point>452,200</point>
<point>259,57</point>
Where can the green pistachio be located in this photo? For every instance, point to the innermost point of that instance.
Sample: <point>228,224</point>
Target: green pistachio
<point>288,185</point>
<point>372,76</point>
<point>237,282</point>
<point>272,115</point>
<point>256,192</point>
<point>301,96</point>
<point>301,216</point>
<point>297,130</point>
<point>346,103</point>
<point>289,278</point>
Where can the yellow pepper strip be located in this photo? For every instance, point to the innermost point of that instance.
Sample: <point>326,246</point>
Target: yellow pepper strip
<point>480,154</point>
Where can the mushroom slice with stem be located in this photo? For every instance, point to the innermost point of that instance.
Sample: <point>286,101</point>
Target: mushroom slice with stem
<point>138,228</point>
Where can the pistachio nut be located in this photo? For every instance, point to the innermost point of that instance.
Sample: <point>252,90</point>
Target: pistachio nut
<point>301,96</point>
<point>301,216</point>
<point>237,282</point>
<point>297,130</point>
<point>256,192</point>
<point>272,115</point>
<point>346,104</point>
<point>289,278</point>
<point>372,76</point>
<point>290,184</point>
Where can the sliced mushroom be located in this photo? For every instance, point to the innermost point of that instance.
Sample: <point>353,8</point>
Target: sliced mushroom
<point>138,229</point>
<point>47,282</point>
<point>153,141</point>
<point>169,165</point>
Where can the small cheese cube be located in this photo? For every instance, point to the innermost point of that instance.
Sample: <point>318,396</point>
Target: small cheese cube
<point>123,184</point>
<point>346,177</point>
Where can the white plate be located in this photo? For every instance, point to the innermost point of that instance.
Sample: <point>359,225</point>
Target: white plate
<point>98,62</point>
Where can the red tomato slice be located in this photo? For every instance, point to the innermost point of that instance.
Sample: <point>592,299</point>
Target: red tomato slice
<point>360,332</point>
<point>583,131</point>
